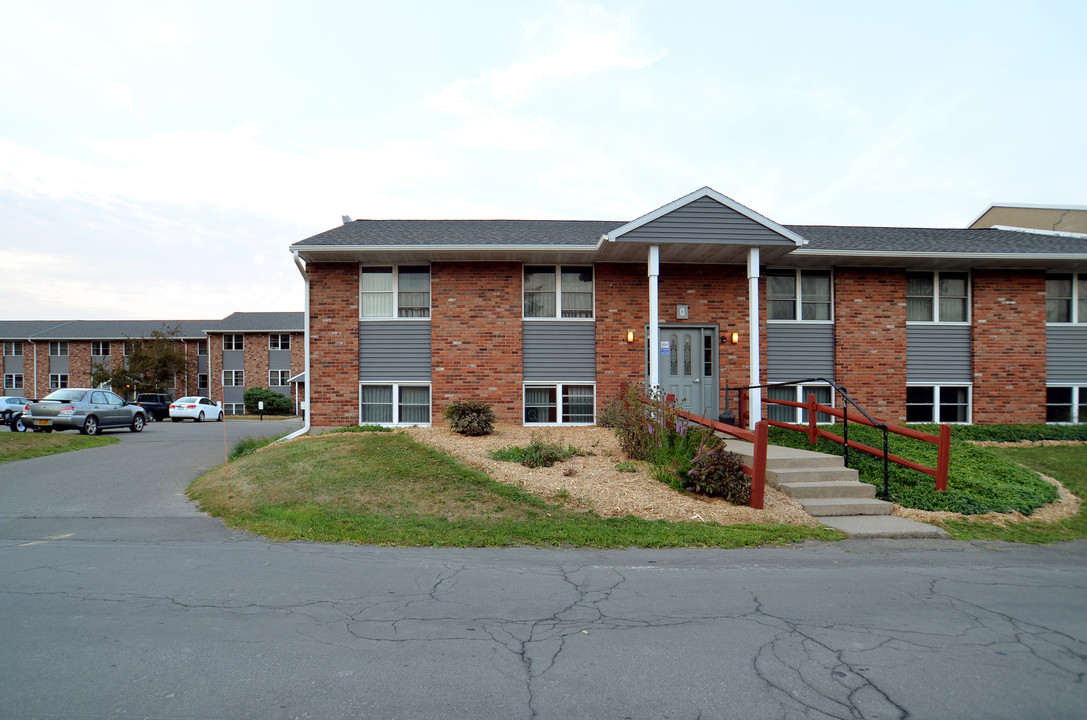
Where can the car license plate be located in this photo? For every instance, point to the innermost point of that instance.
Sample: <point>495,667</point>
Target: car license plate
<point>41,422</point>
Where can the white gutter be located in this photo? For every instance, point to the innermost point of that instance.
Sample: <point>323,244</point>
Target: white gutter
<point>654,319</point>
<point>305,329</point>
<point>754,397</point>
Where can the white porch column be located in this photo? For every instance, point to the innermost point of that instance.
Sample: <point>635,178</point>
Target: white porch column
<point>654,318</point>
<point>755,394</point>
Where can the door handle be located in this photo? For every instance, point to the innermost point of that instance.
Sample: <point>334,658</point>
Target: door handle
<point>697,380</point>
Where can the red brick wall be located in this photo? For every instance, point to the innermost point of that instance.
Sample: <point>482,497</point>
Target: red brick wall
<point>870,339</point>
<point>476,337</point>
<point>334,344</point>
<point>79,364</point>
<point>255,360</point>
<point>215,367</point>
<point>714,294</point>
<point>1009,339</point>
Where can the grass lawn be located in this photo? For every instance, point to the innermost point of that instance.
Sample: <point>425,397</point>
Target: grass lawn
<point>20,446</point>
<point>386,489</point>
<point>1068,464</point>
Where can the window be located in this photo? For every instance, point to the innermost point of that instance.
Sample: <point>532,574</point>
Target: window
<point>938,297</point>
<point>542,407</point>
<point>1066,404</point>
<point>233,378</point>
<point>58,348</point>
<point>233,408</point>
<point>58,381</point>
<point>1066,298</point>
<point>411,406</point>
<point>202,382</point>
<point>798,295</point>
<point>405,288</point>
<point>794,393</point>
<point>99,347</point>
<point>564,291</point>
<point>13,347</point>
<point>127,347</point>
<point>234,342</point>
<point>202,348</point>
<point>278,378</point>
<point>13,381</point>
<point>937,404</point>
<point>279,341</point>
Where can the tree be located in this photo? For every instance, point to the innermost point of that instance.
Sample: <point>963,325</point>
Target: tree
<point>151,365</point>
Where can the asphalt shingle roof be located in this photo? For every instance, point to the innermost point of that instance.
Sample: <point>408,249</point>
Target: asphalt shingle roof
<point>98,329</point>
<point>463,232</point>
<point>958,241</point>
<point>260,322</point>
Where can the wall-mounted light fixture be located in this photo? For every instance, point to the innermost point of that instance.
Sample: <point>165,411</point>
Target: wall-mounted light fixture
<point>630,336</point>
<point>735,338</point>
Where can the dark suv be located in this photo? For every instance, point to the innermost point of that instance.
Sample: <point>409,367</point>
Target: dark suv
<point>157,405</point>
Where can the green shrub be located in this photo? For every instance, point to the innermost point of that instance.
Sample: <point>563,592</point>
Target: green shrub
<point>536,454</point>
<point>247,446</point>
<point>274,403</point>
<point>470,417</point>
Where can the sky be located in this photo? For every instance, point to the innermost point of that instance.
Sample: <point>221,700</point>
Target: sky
<point>158,159</point>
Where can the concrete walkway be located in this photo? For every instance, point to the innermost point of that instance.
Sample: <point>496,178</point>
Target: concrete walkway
<point>831,493</point>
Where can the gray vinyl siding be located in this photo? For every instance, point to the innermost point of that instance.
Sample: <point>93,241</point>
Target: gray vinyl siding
<point>233,395</point>
<point>394,351</point>
<point>798,351</point>
<point>938,354</point>
<point>13,364</point>
<point>58,364</point>
<point>1066,354</point>
<point>279,359</point>
<point>557,351</point>
<point>201,363</point>
<point>705,220</point>
<point>234,360</point>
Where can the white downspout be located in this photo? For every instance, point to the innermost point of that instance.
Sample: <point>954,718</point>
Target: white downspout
<point>654,318</point>
<point>754,397</point>
<point>305,330</point>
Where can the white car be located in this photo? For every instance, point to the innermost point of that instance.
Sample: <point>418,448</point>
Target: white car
<point>11,412</point>
<point>195,408</point>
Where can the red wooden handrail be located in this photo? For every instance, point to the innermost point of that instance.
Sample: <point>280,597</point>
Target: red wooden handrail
<point>813,431</point>
<point>757,470</point>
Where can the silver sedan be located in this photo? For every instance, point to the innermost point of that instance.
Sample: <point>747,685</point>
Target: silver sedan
<point>84,409</point>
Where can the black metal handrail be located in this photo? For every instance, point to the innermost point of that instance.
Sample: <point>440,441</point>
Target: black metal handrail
<point>847,400</point>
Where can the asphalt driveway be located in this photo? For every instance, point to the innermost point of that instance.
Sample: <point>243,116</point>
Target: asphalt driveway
<point>140,480</point>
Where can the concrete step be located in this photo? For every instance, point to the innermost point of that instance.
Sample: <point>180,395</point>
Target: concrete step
<point>828,489</point>
<point>776,476</point>
<point>882,526</point>
<point>822,507</point>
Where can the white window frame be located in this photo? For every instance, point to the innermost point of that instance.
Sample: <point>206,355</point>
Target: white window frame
<point>235,374</point>
<point>284,375</point>
<point>13,348</point>
<point>936,389</point>
<point>558,293</point>
<point>279,338</point>
<point>237,341</point>
<point>101,345</point>
<point>61,347</point>
<point>935,317</point>
<point>798,297</point>
<point>13,381</point>
<point>1079,399</point>
<point>233,408</point>
<point>58,381</point>
<point>396,386</point>
<point>1075,317</point>
<point>395,293</point>
<point>202,348</point>
<point>203,376</point>
<point>559,388</point>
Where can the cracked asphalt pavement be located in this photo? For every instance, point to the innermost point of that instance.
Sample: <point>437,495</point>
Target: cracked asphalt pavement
<point>155,611</point>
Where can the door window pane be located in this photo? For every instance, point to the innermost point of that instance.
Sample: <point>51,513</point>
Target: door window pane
<point>687,355</point>
<point>673,355</point>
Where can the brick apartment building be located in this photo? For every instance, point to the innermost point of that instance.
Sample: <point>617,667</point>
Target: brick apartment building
<point>548,320</point>
<point>225,356</point>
